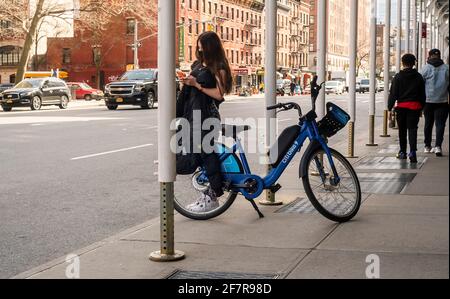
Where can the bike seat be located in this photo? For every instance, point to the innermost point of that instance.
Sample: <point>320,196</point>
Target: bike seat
<point>232,131</point>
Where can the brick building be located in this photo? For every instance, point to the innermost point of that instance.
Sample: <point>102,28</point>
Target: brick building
<point>238,23</point>
<point>99,63</point>
<point>299,18</point>
<point>338,16</point>
<point>11,44</point>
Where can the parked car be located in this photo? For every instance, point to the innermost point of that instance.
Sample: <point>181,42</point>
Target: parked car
<point>283,87</point>
<point>135,87</point>
<point>358,86</point>
<point>380,85</point>
<point>335,87</point>
<point>365,86</point>
<point>86,92</point>
<point>5,86</point>
<point>35,93</point>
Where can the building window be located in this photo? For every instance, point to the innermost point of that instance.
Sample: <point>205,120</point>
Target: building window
<point>66,56</point>
<point>130,26</point>
<point>4,24</point>
<point>190,53</point>
<point>9,55</point>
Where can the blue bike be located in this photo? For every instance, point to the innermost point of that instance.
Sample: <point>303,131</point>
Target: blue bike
<point>329,180</point>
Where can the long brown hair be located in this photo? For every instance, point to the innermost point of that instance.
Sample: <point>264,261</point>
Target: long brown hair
<point>214,58</point>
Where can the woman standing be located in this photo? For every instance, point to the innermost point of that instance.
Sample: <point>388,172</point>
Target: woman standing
<point>408,96</point>
<point>207,84</point>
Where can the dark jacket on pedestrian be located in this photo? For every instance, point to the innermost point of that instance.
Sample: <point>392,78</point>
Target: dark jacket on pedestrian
<point>407,86</point>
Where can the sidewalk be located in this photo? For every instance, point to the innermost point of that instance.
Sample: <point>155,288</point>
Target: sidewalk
<point>405,224</point>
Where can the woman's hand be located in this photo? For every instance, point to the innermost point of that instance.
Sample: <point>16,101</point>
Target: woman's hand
<point>191,81</point>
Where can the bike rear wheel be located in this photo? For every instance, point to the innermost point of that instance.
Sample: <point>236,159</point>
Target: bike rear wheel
<point>188,189</point>
<point>337,202</point>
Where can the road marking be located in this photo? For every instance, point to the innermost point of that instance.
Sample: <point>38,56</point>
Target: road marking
<point>111,152</point>
<point>50,119</point>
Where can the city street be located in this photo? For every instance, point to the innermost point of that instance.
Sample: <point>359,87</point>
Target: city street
<point>74,177</point>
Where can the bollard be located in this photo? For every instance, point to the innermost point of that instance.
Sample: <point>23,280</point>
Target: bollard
<point>371,131</point>
<point>351,140</point>
<point>167,252</point>
<point>385,124</point>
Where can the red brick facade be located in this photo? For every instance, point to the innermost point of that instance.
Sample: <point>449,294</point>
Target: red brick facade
<point>76,55</point>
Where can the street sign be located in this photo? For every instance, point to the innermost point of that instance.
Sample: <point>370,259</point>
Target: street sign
<point>181,44</point>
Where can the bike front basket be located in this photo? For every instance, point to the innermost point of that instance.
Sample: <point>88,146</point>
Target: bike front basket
<point>335,120</point>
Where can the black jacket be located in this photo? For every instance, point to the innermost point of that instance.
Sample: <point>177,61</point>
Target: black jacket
<point>407,86</point>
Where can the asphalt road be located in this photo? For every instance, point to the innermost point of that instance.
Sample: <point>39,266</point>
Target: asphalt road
<point>74,177</point>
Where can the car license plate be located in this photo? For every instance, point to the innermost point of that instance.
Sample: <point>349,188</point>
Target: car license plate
<point>9,102</point>
<point>119,100</point>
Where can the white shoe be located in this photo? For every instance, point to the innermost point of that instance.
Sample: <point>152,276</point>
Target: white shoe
<point>203,205</point>
<point>438,151</point>
<point>428,150</point>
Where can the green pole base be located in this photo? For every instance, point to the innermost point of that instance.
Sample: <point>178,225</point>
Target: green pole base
<point>157,256</point>
<point>372,144</point>
<point>385,136</point>
<point>352,157</point>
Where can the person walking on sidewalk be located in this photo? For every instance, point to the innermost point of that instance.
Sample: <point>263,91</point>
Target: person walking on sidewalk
<point>436,75</point>
<point>208,82</point>
<point>407,95</point>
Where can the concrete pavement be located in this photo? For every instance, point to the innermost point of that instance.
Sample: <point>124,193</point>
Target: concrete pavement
<point>407,232</point>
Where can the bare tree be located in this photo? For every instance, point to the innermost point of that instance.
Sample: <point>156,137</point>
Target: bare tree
<point>25,22</point>
<point>362,56</point>
<point>94,15</point>
<point>94,23</point>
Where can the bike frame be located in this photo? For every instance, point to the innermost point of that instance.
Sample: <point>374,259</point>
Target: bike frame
<point>239,182</point>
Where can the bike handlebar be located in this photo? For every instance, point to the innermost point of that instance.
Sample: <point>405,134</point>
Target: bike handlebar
<point>287,107</point>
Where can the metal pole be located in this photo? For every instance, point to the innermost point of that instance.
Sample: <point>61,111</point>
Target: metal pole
<point>322,29</point>
<point>270,86</point>
<point>430,22</point>
<point>414,19</point>
<point>373,72</point>
<point>353,47</point>
<point>166,114</point>
<point>408,27</point>
<point>420,37</point>
<point>399,37</point>
<point>387,66</point>
<point>427,33</point>
<point>136,46</point>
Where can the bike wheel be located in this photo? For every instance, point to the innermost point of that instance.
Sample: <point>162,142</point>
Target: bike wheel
<point>190,188</point>
<point>339,203</point>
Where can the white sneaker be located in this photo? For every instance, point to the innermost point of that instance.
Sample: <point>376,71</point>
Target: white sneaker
<point>203,205</point>
<point>428,150</point>
<point>438,151</point>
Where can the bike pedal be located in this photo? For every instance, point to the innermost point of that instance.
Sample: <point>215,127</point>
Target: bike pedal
<point>276,188</point>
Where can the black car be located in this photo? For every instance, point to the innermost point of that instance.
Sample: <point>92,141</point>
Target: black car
<point>135,87</point>
<point>5,86</point>
<point>35,93</point>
